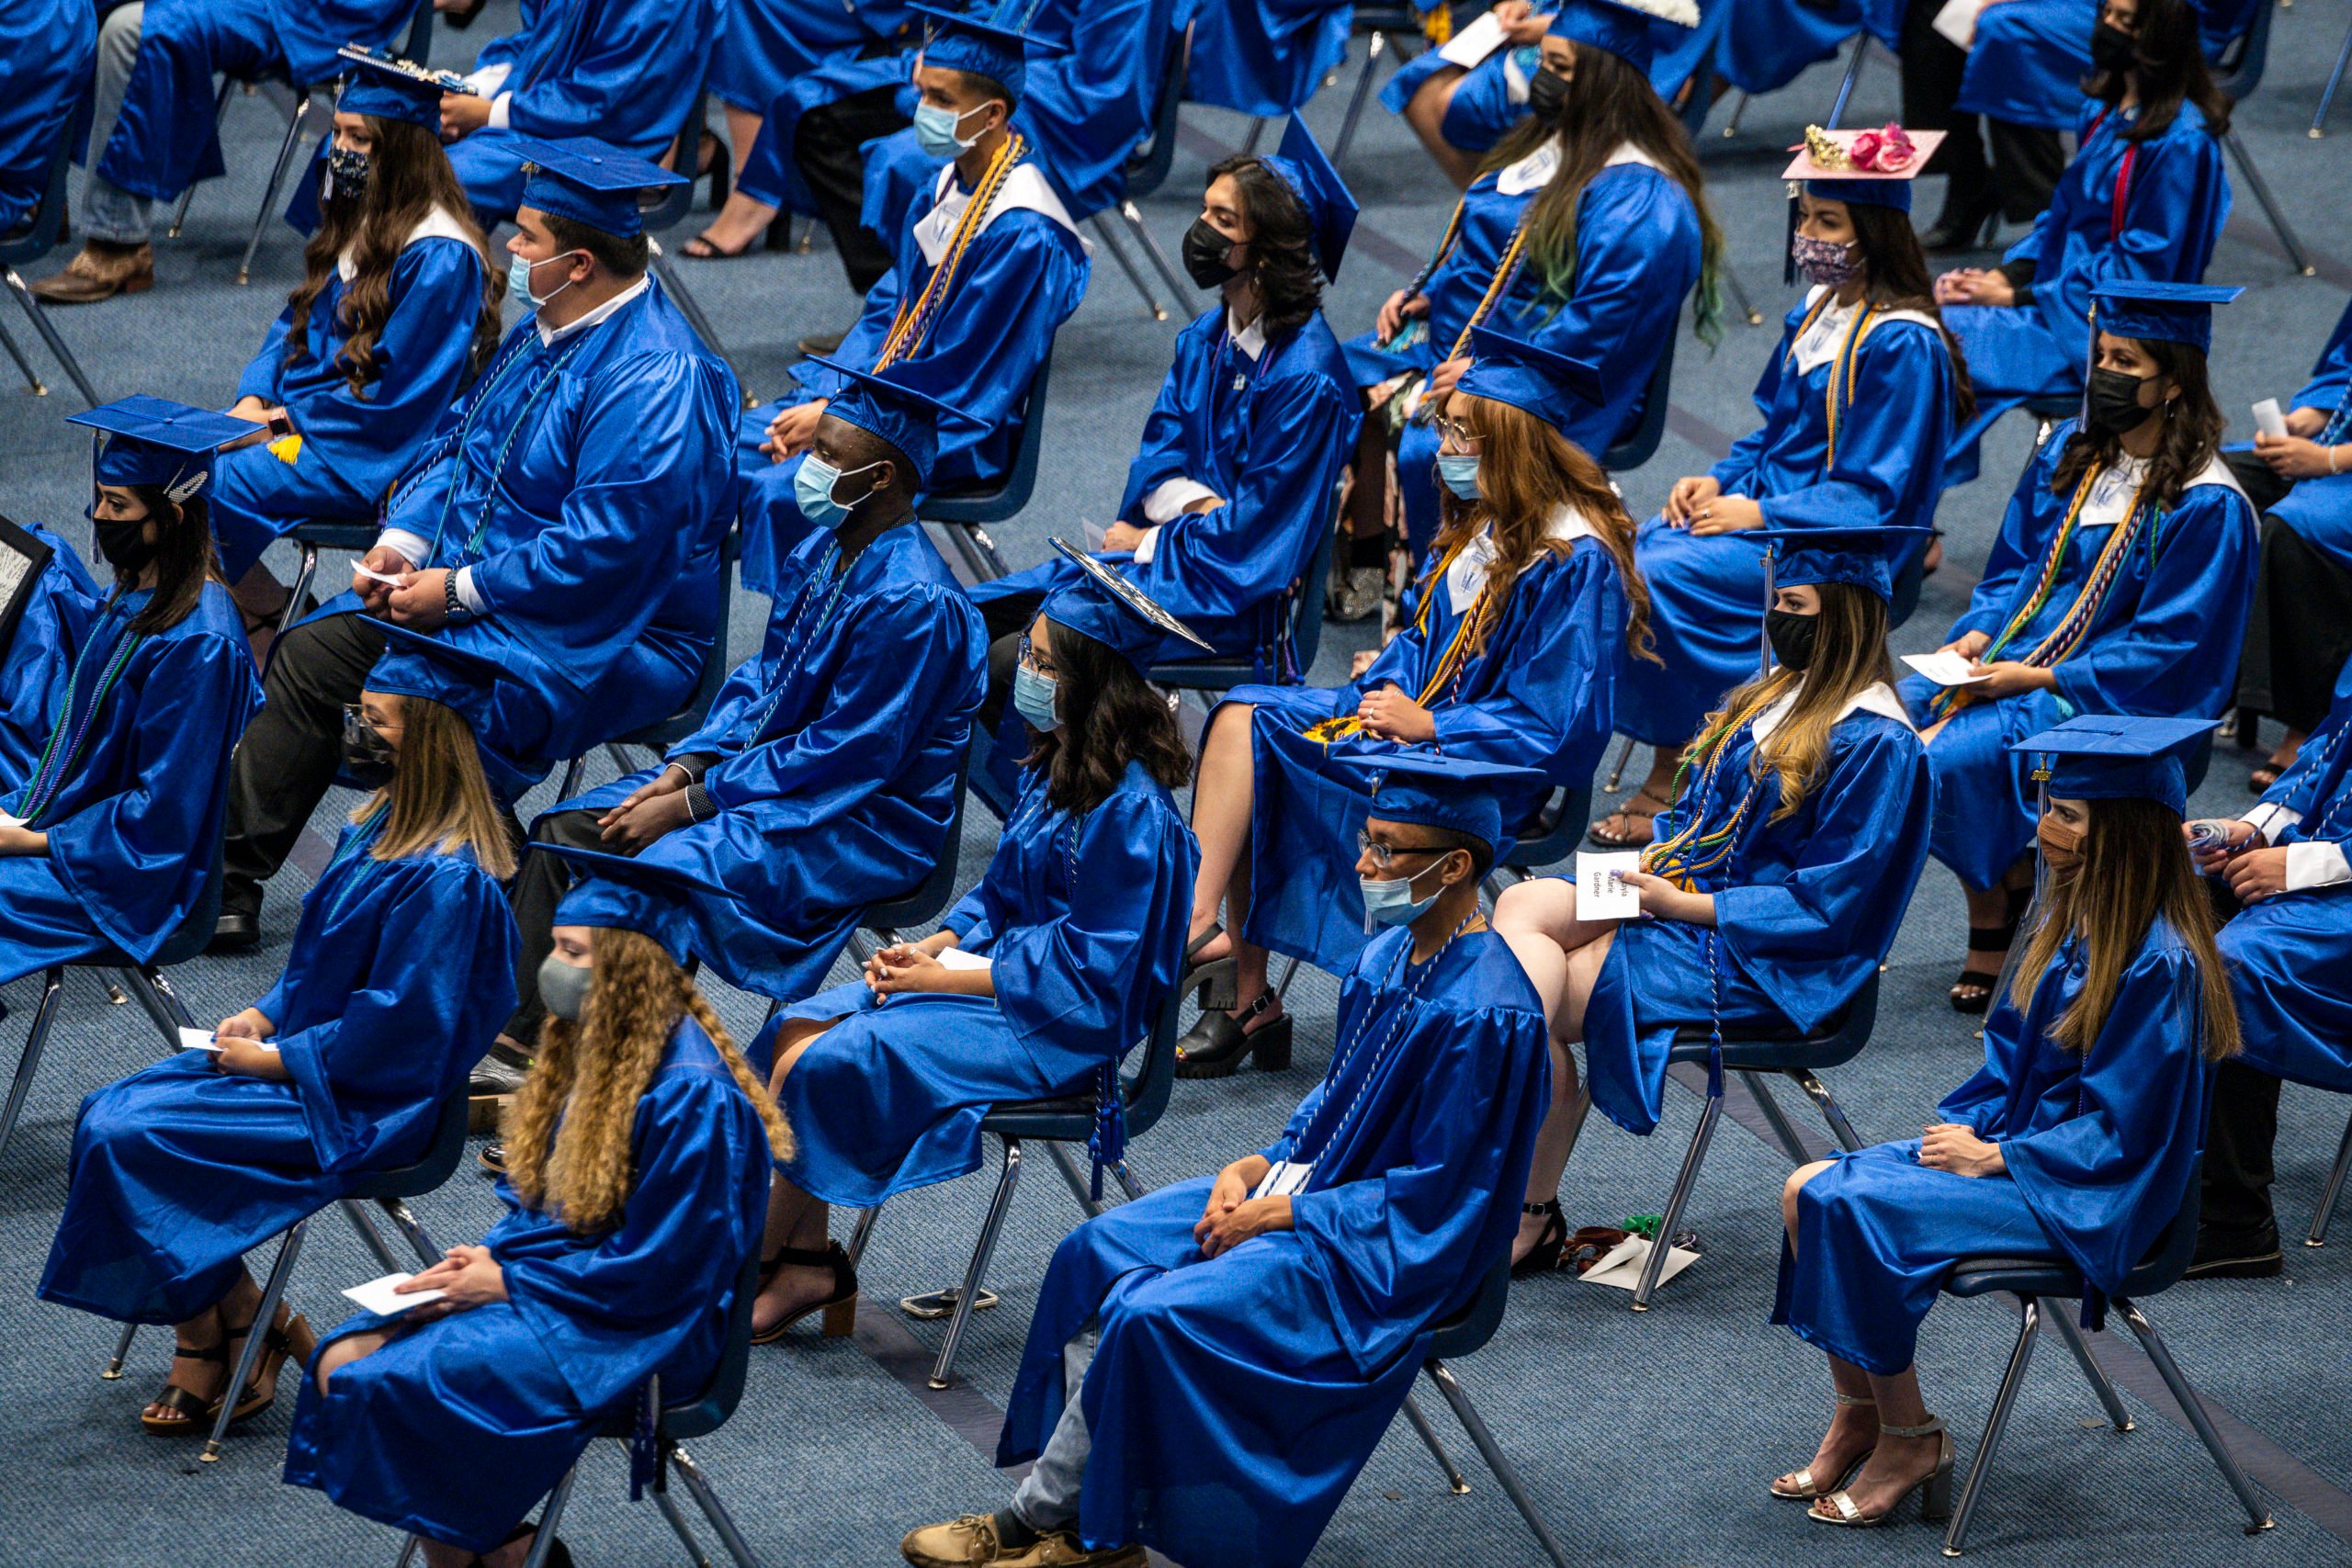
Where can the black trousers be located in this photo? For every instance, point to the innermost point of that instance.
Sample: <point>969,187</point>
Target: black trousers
<point>2026,160</point>
<point>291,751</point>
<point>540,885</point>
<point>825,150</point>
<point>2243,1125</point>
<point>2300,633</point>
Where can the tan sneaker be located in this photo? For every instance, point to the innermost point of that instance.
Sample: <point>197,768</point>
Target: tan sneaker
<point>100,271</point>
<point>971,1542</point>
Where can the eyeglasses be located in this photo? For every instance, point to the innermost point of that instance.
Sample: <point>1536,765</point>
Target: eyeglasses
<point>1384,855</point>
<point>352,714</point>
<point>1456,433</point>
<point>1036,661</point>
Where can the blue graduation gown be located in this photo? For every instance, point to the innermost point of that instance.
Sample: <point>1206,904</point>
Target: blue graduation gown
<point>2097,1144</point>
<point>46,46</point>
<point>1232,1400</point>
<point>1770,43</point>
<point>132,825</point>
<point>354,444</point>
<point>456,1429</point>
<point>2030,58</point>
<point>1806,907</point>
<point>400,974</point>
<point>588,486</point>
<point>1020,277</point>
<point>768,44</point>
<point>2182,593</point>
<point>2320,508</point>
<point>166,138</point>
<point>625,70</point>
<point>1270,436</point>
<point>836,770</point>
<point>1707,592</point>
<point>1542,696</point>
<point>2174,207</point>
<point>1637,254</point>
<point>1082,922</point>
<point>1265,57</point>
<point>38,660</point>
<point>2290,956</point>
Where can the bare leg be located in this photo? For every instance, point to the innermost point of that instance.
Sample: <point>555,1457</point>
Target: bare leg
<point>344,1351</point>
<point>1425,112</point>
<point>1563,957</point>
<point>1853,1427</point>
<point>201,1378</point>
<point>741,221</point>
<point>1630,822</point>
<point>1223,796</point>
<point>795,1218</point>
<point>1896,1464</point>
<point>742,130</point>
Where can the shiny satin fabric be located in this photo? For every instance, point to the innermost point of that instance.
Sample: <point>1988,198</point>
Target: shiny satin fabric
<point>2320,508</point>
<point>46,48</point>
<point>38,660</point>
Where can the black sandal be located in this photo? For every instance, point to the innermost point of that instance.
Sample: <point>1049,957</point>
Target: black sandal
<point>1544,1256</point>
<point>1607,841</point>
<point>197,1413</point>
<point>702,248</point>
<point>1213,980</point>
<point>1972,992</point>
<point>839,1308</point>
<point>1217,1045</point>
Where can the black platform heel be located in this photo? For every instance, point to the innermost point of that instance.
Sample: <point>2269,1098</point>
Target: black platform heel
<point>839,1308</point>
<point>1217,1045</point>
<point>1544,1256</point>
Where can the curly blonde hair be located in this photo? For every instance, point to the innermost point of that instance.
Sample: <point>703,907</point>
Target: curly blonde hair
<point>568,1131</point>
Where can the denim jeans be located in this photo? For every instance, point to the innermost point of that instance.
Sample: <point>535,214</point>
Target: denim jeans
<point>1047,1498</point>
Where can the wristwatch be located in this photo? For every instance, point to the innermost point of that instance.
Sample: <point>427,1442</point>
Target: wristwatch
<point>453,608</point>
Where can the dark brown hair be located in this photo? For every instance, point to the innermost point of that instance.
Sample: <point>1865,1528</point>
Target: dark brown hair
<point>622,257</point>
<point>1899,280</point>
<point>2190,439</point>
<point>185,559</point>
<point>1115,718</point>
<point>2169,67</point>
<point>1849,658</point>
<point>1282,251</point>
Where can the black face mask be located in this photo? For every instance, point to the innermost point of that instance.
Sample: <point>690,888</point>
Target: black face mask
<point>1791,636</point>
<point>347,175</point>
<point>121,541</point>
<point>1205,253</point>
<point>2114,402</point>
<point>2113,50</point>
<point>1547,95</point>
<point>367,758</point>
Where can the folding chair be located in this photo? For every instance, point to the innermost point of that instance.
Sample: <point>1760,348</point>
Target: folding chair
<point>39,236</point>
<point>964,514</point>
<point>1301,614</point>
<point>2237,73</point>
<point>1147,171</point>
<point>665,214</point>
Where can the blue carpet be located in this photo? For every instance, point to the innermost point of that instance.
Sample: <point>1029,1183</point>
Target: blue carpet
<point>1647,1439</point>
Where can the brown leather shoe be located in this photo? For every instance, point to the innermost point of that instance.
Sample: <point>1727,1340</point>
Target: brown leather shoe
<point>971,1542</point>
<point>100,271</point>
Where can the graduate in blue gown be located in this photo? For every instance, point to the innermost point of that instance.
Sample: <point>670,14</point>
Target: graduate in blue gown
<point>1506,656</point>
<point>400,969</point>
<point>1061,959</point>
<point>566,528</point>
<point>397,313</point>
<point>1858,402</point>
<point>2126,559</point>
<point>37,662</point>
<point>623,71</point>
<point>109,835</point>
<point>1767,44</point>
<point>2027,63</point>
<point>967,312</point>
<point>1238,474</point>
<point>1265,58</point>
<point>1211,1364</point>
<point>2073,1143</point>
<point>1581,242</point>
<point>823,778</point>
<point>2144,199</point>
<point>1781,873</point>
<point>636,1154</point>
<point>46,46</point>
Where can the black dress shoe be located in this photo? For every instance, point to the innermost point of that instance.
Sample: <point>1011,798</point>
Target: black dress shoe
<point>494,1158</point>
<point>237,931</point>
<point>2236,1254</point>
<point>1963,229</point>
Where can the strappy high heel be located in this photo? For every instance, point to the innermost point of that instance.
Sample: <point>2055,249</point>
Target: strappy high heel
<point>1217,1045</point>
<point>839,1308</point>
<point>1599,836</point>
<point>1972,993</point>
<point>1934,1488</point>
<point>197,1413</point>
<point>1544,1256</point>
<point>291,1340</point>
<point>1807,1488</point>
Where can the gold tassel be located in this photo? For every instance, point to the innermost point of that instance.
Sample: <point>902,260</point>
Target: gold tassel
<point>287,448</point>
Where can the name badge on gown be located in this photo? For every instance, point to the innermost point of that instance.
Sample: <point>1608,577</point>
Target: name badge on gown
<point>1284,1180</point>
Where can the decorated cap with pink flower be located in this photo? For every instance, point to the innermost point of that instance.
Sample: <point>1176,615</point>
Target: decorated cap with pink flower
<point>1874,167</point>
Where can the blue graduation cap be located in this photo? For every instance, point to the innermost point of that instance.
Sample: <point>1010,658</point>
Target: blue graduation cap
<point>1848,180</point>
<point>2173,312</point>
<point>1104,605</point>
<point>1431,789</point>
<point>625,893</point>
<point>991,44</point>
<point>386,86</point>
<point>588,181</point>
<point>1866,557</point>
<point>154,441</point>
<point>1512,370</point>
<point>905,418</point>
<point>1330,206</point>
<point>421,664</point>
<point>1621,27</point>
<point>2117,757</point>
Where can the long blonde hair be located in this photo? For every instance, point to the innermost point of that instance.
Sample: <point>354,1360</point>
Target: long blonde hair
<point>439,797</point>
<point>1849,658</point>
<point>568,1131</point>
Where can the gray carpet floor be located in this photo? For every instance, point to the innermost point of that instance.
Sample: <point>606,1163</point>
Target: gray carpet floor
<point>1647,1439</point>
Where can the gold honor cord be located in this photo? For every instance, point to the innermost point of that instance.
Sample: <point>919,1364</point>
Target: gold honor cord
<point>1681,858</point>
<point>1450,667</point>
<point>915,317</point>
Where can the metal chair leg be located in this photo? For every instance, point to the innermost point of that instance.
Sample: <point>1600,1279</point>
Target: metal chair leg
<point>1127,1182</point>
<point>2096,1375</point>
<point>1373,48</point>
<point>1443,1375</point>
<point>1249,142</point>
<point>1831,1111</point>
<point>1784,1132</point>
<point>163,1004</point>
<point>28,1063</point>
<point>1671,1220</point>
<point>303,576</point>
<point>675,287</point>
<point>1078,1185</point>
<point>1739,292</point>
<point>405,1221</point>
<point>1290,970</point>
<point>1109,235</point>
<point>862,1234</point>
<point>219,112</point>
<point>113,1369</point>
<point>1151,251</point>
<point>2319,1221</point>
<point>572,771</point>
<point>1617,768</point>
<point>276,179</point>
<point>1972,1487</point>
<point>2334,80</point>
<point>32,381</point>
<point>409,1545</point>
<point>2258,1517</point>
<point>1738,111</point>
<point>543,1534</point>
<point>369,1235</point>
<point>677,1522</point>
<point>1455,1479</point>
<point>943,1370</point>
<point>706,1498</point>
<point>47,330</point>
<point>1846,83</point>
<point>2295,258</point>
<point>241,1373</point>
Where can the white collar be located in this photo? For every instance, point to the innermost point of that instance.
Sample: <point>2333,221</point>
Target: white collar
<point>1535,171</point>
<point>551,336</point>
<point>2112,492</point>
<point>1818,343</point>
<point>437,224</point>
<point>1024,190</point>
<point>1465,577</point>
<point>1251,339</point>
<point>1878,698</point>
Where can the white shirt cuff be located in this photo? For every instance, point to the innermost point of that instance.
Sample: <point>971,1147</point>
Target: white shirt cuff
<point>499,110</point>
<point>410,547</point>
<point>467,594</point>
<point>1149,546</point>
<point>1169,497</point>
<point>489,78</point>
<point>2270,819</point>
<point>2316,866</point>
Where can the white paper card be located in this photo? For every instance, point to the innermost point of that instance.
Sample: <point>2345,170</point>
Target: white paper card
<point>1621,1265</point>
<point>1957,21</point>
<point>377,1296</point>
<point>204,1040</point>
<point>2269,418</point>
<point>1284,1180</point>
<point>1473,43</point>
<point>370,572</point>
<point>8,819</point>
<point>1601,892</point>
<point>1945,668</point>
<point>1097,539</point>
<point>957,958</point>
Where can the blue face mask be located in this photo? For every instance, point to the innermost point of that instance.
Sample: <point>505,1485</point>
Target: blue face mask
<point>1036,698</point>
<point>812,486</point>
<point>518,280</point>
<point>1390,902</point>
<point>936,130</point>
<point>1459,472</point>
